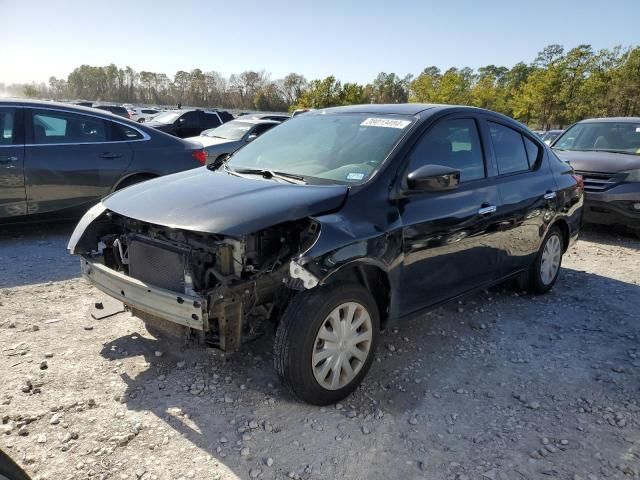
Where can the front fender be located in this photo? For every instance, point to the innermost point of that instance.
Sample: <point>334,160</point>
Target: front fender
<point>342,245</point>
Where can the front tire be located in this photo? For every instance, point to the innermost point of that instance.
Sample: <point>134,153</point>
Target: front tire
<point>325,342</point>
<point>544,271</point>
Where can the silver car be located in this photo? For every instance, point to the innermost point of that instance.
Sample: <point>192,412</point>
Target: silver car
<point>230,136</point>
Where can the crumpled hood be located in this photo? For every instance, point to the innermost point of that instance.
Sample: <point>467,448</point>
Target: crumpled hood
<point>208,201</point>
<point>605,162</point>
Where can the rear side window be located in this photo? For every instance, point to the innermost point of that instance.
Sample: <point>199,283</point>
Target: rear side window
<point>533,151</point>
<point>7,116</point>
<point>65,127</point>
<point>452,143</point>
<point>211,120</point>
<point>509,149</point>
<point>124,133</point>
<point>260,129</point>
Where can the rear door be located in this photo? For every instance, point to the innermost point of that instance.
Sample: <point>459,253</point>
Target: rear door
<point>71,160</point>
<point>527,189</point>
<point>12,191</point>
<point>449,236</point>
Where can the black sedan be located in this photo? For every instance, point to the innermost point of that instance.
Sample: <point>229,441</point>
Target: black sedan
<point>57,160</point>
<point>332,226</point>
<point>189,123</point>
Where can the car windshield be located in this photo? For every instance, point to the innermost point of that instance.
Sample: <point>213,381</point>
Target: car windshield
<point>233,130</point>
<point>340,148</point>
<point>617,137</point>
<point>167,117</point>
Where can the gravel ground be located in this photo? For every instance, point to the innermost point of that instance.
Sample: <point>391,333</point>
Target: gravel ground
<point>498,386</point>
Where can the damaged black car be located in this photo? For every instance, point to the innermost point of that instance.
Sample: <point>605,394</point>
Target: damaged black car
<point>332,226</point>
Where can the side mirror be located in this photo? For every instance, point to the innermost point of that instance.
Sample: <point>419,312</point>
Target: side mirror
<point>252,137</point>
<point>433,178</point>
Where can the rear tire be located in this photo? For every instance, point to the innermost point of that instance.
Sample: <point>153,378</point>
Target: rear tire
<point>326,341</point>
<point>543,273</point>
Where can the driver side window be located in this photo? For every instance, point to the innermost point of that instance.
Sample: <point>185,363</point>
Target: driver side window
<point>451,143</point>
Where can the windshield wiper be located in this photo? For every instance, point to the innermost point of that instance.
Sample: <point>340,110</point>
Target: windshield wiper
<point>269,174</point>
<point>624,152</point>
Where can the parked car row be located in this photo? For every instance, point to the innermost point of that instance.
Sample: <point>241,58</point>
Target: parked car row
<point>327,227</point>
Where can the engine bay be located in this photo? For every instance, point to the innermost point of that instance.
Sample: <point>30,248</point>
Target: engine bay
<point>246,281</point>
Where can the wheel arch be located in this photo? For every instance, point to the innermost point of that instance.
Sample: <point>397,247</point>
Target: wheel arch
<point>375,277</point>
<point>133,177</point>
<point>562,224</point>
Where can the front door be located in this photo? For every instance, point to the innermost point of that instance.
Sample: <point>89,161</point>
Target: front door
<point>449,236</point>
<point>70,160</point>
<point>12,192</point>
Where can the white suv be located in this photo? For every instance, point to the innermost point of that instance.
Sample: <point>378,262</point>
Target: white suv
<point>142,115</point>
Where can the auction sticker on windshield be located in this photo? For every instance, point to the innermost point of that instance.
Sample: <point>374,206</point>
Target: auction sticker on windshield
<point>355,176</point>
<point>385,122</point>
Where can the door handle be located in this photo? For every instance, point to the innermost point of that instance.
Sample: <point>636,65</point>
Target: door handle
<point>487,210</point>
<point>109,155</point>
<point>8,158</point>
<point>550,195</point>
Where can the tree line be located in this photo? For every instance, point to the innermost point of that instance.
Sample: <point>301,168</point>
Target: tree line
<point>557,88</point>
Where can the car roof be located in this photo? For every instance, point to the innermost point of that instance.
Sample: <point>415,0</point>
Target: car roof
<point>405,109</point>
<point>72,107</point>
<point>380,108</point>
<point>69,107</point>
<point>612,119</point>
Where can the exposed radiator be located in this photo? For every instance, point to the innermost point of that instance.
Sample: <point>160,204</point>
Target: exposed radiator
<point>158,265</point>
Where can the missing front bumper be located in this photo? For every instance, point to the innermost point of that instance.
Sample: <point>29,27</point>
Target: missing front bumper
<point>187,310</point>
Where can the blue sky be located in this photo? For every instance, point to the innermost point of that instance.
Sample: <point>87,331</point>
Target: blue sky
<point>352,39</point>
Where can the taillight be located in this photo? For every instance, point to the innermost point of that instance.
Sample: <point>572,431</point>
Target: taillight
<point>579,180</point>
<point>200,156</point>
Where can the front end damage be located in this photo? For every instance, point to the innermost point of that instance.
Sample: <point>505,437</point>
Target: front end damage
<point>224,290</point>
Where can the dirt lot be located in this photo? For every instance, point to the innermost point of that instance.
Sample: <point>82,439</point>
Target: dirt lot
<point>499,386</point>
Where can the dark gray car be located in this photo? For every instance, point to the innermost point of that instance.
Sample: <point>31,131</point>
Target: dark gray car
<point>606,152</point>
<point>57,160</point>
<point>229,137</point>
